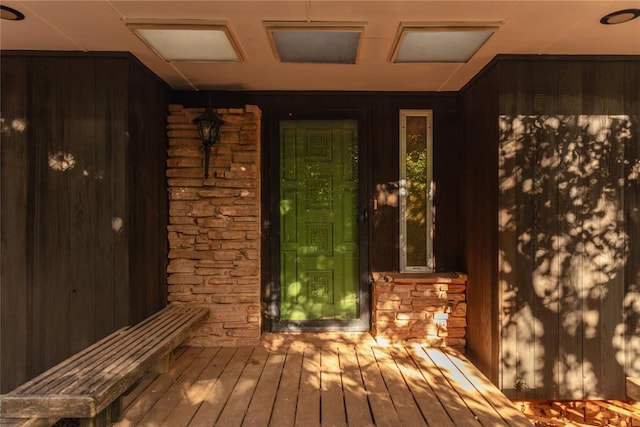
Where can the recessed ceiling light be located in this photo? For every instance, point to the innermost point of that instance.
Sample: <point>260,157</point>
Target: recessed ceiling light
<point>439,42</point>
<point>10,14</point>
<point>315,42</point>
<point>189,42</point>
<point>620,16</point>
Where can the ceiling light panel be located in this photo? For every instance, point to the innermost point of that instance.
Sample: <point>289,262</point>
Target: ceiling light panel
<point>317,43</point>
<point>442,43</point>
<point>189,42</point>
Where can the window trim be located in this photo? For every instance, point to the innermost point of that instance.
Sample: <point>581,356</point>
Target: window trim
<point>430,267</point>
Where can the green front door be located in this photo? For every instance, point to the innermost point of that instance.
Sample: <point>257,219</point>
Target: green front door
<point>318,220</point>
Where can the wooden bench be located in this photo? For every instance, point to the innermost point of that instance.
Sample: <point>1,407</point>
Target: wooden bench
<point>89,384</point>
<point>633,388</point>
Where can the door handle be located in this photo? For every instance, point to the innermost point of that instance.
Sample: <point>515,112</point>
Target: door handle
<point>363,218</point>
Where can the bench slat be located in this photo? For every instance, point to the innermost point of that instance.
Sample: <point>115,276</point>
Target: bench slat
<point>162,346</point>
<point>46,378</point>
<point>92,361</point>
<point>94,354</point>
<point>136,345</point>
<point>86,383</point>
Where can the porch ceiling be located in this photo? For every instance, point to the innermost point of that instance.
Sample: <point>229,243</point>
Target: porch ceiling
<point>528,27</point>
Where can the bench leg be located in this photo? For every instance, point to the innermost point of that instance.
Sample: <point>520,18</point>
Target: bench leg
<point>163,365</point>
<point>110,415</point>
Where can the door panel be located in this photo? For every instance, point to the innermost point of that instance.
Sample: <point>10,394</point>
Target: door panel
<point>318,219</point>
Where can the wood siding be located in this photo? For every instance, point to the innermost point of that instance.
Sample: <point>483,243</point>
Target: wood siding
<point>83,252</point>
<point>562,267</point>
<point>479,202</point>
<point>147,187</point>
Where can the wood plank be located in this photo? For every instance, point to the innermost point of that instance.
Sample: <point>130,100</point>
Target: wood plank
<point>507,204</point>
<point>48,406</point>
<point>132,395</point>
<point>111,307</point>
<point>482,410</point>
<point>308,411</point>
<point>28,422</point>
<point>248,392</point>
<point>331,395</point>
<point>128,360</point>
<point>451,401</point>
<point>284,408</point>
<point>358,411</point>
<point>171,397</point>
<point>527,204</point>
<point>546,213</point>
<point>239,399</point>
<point>49,80</point>
<point>15,169</point>
<point>403,400</point>
<point>20,404</point>
<point>136,411</point>
<point>91,361</point>
<point>433,412</point>
<point>212,406</point>
<point>261,406</point>
<point>632,221</point>
<point>147,213</point>
<point>125,377</point>
<point>570,350</point>
<point>99,361</point>
<point>82,223</point>
<point>610,372</point>
<point>384,413</point>
<point>507,410</point>
<point>75,404</point>
<point>197,393</point>
<point>480,196</point>
<point>42,380</point>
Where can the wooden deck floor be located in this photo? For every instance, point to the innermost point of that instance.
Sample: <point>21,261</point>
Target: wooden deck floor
<point>311,382</point>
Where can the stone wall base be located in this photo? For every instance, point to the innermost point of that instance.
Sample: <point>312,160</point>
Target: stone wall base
<point>419,308</point>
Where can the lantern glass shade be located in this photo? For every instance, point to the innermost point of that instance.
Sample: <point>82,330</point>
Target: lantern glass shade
<point>209,127</point>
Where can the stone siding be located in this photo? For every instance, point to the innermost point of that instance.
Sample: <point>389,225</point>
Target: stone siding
<point>420,308</point>
<point>214,226</point>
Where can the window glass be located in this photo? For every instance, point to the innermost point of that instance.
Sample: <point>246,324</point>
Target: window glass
<point>416,191</point>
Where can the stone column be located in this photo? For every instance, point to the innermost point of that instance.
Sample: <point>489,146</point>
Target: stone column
<point>214,225</point>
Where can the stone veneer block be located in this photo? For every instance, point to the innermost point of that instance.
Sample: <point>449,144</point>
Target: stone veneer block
<point>419,308</point>
<point>214,231</point>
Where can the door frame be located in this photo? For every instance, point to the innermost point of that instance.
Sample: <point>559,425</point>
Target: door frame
<point>271,224</point>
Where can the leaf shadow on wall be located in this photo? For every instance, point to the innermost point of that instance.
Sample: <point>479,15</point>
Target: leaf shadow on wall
<point>570,306</point>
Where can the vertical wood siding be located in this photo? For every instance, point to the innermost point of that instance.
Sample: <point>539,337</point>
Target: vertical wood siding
<point>566,223</point>
<point>149,213</point>
<point>479,204</point>
<point>71,223</point>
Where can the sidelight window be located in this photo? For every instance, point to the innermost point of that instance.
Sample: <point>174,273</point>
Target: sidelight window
<point>416,191</point>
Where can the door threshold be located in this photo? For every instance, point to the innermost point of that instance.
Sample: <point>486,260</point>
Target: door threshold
<point>280,340</point>
<point>297,326</point>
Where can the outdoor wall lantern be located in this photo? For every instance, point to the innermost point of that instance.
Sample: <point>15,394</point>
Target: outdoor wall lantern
<point>209,127</point>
